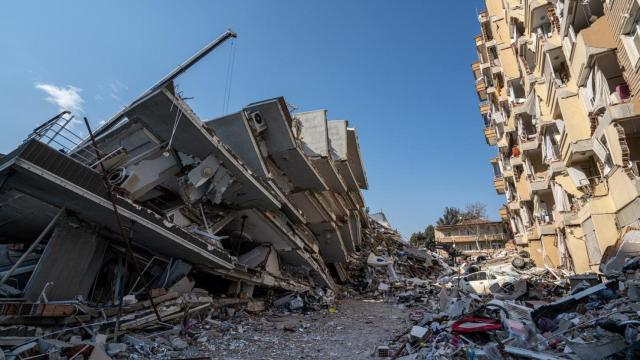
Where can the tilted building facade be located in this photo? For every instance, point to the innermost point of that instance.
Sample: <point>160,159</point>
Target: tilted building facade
<point>559,90</point>
<point>258,199</point>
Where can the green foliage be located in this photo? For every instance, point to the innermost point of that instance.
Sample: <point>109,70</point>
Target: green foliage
<point>451,216</point>
<point>426,238</point>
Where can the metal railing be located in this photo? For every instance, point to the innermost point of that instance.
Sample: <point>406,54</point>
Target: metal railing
<point>58,133</point>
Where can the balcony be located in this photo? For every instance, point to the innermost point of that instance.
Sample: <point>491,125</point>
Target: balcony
<point>472,238</point>
<point>538,185</point>
<point>578,151</point>
<point>547,229</point>
<point>566,218</point>
<point>498,184</point>
<point>481,89</point>
<point>556,75</point>
<point>530,144</point>
<point>504,213</point>
<point>520,239</point>
<point>479,40</point>
<point>555,168</point>
<point>484,107</point>
<point>591,43</point>
<point>496,65</point>
<point>483,16</point>
<point>475,68</point>
<point>533,232</point>
<point>490,136</point>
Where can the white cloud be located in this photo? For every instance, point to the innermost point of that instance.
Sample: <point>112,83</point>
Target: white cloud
<point>66,98</point>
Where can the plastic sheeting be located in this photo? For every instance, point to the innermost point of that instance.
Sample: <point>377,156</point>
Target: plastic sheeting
<point>601,90</point>
<point>577,176</point>
<point>529,167</point>
<point>530,105</point>
<point>526,216</point>
<point>561,198</point>
<point>521,134</point>
<point>548,151</point>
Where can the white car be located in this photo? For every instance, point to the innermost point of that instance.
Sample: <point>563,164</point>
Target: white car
<point>485,282</point>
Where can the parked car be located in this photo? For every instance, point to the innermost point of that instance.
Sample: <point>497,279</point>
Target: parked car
<point>486,282</point>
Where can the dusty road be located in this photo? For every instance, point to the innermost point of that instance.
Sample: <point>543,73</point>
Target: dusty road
<point>353,332</point>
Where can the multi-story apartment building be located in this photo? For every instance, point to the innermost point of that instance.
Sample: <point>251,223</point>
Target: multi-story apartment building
<point>559,89</point>
<point>473,236</point>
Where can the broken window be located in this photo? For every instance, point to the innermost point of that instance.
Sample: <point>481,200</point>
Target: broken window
<point>602,152</point>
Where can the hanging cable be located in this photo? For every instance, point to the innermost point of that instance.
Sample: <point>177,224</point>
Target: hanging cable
<point>229,77</point>
<point>173,131</point>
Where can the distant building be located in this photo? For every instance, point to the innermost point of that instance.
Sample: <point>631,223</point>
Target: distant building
<point>474,236</point>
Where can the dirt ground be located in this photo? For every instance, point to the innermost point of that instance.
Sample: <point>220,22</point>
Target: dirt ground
<point>353,332</point>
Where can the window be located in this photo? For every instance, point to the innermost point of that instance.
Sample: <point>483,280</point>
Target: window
<point>631,35</point>
<point>607,161</point>
<point>467,247</point>
<point>635,35</point>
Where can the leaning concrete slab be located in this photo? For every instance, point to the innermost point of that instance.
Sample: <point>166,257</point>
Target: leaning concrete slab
<point>53,277</point>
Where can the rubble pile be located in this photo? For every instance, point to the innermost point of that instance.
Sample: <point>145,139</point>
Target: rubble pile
<point>158,218</point>
<point>163,236</point>
<point>188,321</point>
<point>387,266</point>
<point>532,314</point>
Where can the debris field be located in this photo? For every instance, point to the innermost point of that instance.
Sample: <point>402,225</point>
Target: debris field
<point>160,235</point>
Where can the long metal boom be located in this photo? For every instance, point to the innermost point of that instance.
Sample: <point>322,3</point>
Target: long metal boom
<point>168,78</point>
<point>190,62</point>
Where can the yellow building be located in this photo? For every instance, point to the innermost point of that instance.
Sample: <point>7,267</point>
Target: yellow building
<point>473,236</point>
<point>559,90</point>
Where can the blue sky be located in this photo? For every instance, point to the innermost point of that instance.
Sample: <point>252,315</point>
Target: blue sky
<point>399,71</point>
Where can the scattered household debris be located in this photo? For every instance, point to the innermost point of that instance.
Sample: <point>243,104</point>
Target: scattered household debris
<point>497,308</point>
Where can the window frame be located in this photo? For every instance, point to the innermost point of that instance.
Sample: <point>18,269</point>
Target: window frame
<point>631,29</point>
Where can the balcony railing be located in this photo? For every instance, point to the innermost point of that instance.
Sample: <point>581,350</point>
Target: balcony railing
<point>60,133</point>
<point>466,238</point>
<point>484,107</point>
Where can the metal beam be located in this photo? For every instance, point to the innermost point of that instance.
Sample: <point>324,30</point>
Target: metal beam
<point>24,255</point>
<point>168,78</point>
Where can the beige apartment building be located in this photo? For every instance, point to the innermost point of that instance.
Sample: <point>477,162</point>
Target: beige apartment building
<point>559,90</point>
<point>473,236</point>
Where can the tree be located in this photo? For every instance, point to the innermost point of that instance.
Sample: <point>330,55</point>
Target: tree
<point>426,238</point>
<point>430,237</point>
<point>475,210</point>
<point>417,238</point>
<point>451,216</point>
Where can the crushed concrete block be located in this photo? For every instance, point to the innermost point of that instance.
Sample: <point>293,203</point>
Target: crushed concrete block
<point>418,333</point>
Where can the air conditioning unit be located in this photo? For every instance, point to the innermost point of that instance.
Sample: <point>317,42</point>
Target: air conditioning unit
<point>256,121</point>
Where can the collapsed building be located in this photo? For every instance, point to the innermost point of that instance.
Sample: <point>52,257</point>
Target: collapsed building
<point>254,201</point>
<point>558,87</point>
